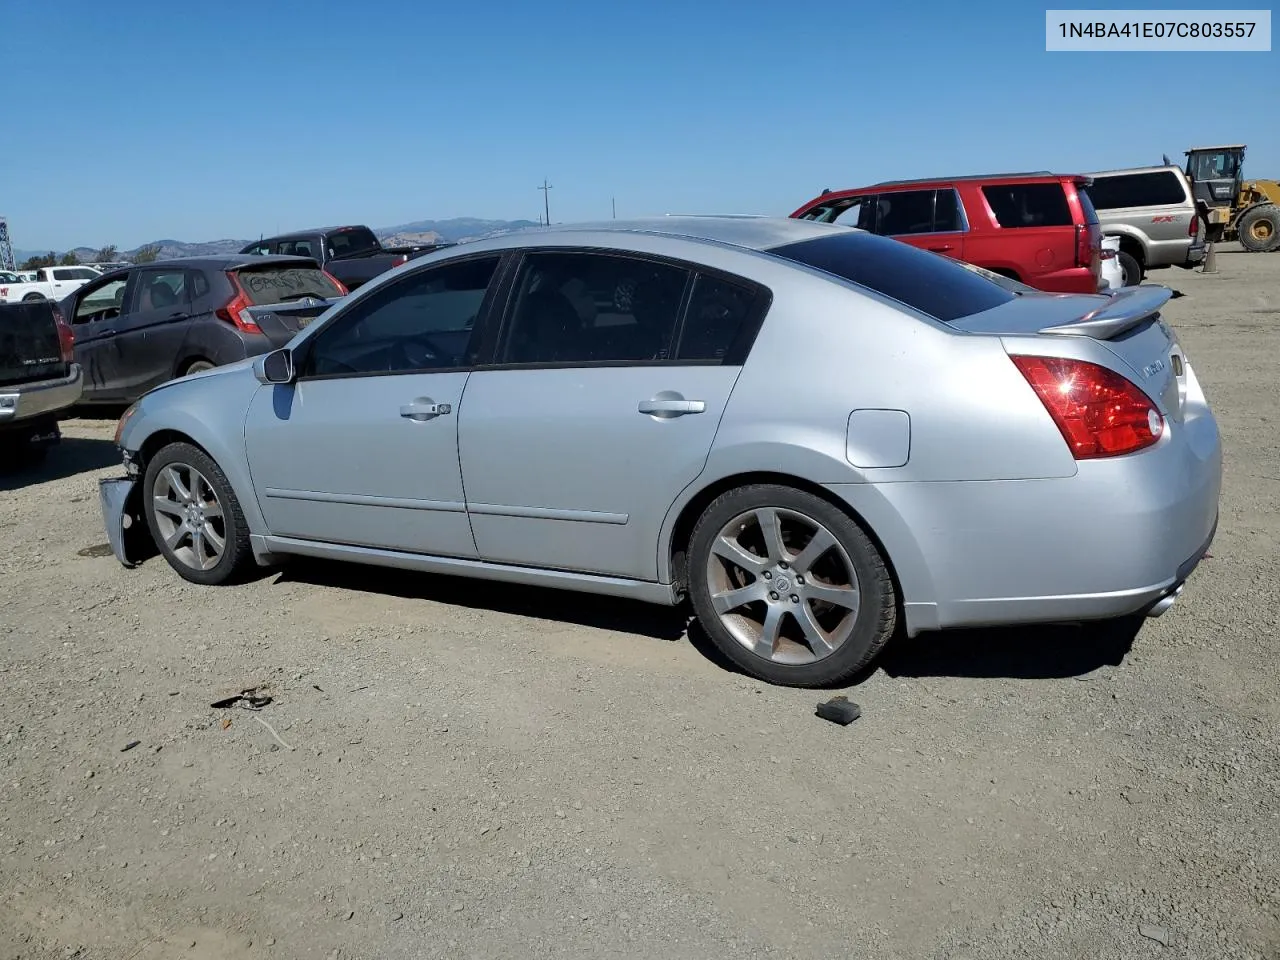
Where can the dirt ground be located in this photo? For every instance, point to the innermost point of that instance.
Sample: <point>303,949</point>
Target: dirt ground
<point>472,770</point>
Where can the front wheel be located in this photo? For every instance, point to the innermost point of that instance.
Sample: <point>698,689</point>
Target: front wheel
<point>1260,229</point>
<point>194,516</point>
<point>789,587</point>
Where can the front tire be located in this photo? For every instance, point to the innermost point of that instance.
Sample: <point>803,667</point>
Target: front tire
<point>1260,229</point>
<point>194,516</point>
<point>789,587</point>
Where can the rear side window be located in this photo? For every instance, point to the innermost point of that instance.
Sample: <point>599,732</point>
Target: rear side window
<point>932,284</point>
<point>1029,204</point>
<point>720,316</point>
<point>905,212</point>
<point>280,284</point>
<point>65,275</point>
<point>1162,188</point>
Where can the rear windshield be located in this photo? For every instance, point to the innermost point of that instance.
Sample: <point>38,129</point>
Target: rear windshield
<point>928,282</point>
<point>351,241</point>
<point>1156,189</point>
<point>281,284</point>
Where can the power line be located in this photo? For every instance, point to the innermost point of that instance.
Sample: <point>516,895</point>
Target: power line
<point>546,199</point>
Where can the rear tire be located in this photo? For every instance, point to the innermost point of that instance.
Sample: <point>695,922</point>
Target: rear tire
<point>194,516</point>
<point>33,296</point>
<point>197,366</point>
<point>1130,268</point>
<point>1259,229</point>
<point>789,587</point>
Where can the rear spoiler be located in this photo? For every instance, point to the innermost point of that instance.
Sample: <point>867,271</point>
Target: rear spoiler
<point>1124,311</point>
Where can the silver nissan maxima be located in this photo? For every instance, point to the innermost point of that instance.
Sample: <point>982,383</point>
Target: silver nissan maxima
<point>816,435</point>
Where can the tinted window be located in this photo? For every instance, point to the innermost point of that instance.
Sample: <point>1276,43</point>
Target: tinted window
<point>162,289</point>
<point>593,308</point>
<point>719,314</point>
<point>285,282</point>
<point>930,283</point>
<point>199,284</point>
<point>299,248</point>
<point>349,242</point>
<point>905,212</point>
<point>258,249</point>
<point>421,322</point>
<point>65,275</point>
<point>1137,190</point>
<point>1029,204</point>
<point>946,212</point>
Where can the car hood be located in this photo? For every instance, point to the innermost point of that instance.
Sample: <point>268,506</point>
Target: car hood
<point>241,368</point>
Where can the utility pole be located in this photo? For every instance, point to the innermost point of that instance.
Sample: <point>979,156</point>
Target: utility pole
<point>546,199</point>
<point>614,201</point>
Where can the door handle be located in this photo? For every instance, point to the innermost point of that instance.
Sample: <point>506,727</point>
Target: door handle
<point>107,333</point>
<point>425,410</point>
<point>179,316</point>
<point>671,408</point>
<point>943,248</point>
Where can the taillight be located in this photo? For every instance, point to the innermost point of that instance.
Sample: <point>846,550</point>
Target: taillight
<point>66,337</point>
<point>342,287</point>
<point>1084,245</point>
<point>237,310</point>
<point>1099,412</point>
<point>1193,227</point>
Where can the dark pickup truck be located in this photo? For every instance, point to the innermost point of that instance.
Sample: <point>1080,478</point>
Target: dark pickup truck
<point>351,255</point>
<point>38,378</point>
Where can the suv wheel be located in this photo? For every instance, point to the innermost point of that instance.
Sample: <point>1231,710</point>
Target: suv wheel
<point>194,515</point>
<point>789,587</point>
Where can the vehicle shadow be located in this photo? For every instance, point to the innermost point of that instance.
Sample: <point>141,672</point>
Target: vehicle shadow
<point>67,458</point>
<point>1040,652</point>
<point>561,606</point>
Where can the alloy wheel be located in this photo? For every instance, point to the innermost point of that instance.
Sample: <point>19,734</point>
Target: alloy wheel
<point>189,516</point>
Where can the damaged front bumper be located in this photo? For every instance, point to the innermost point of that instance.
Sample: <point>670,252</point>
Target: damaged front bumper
<point>123,517</point>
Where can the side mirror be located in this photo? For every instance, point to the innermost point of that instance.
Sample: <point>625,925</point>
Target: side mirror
<point>274,367</point>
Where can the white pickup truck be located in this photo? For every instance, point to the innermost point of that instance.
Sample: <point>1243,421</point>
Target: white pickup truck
<point>51,283</point>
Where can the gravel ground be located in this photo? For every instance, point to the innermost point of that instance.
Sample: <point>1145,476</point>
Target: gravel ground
<point>475,770</point>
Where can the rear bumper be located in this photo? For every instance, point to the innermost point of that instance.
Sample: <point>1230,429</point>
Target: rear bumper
<point>1113,540</point>
<point>25,401</point>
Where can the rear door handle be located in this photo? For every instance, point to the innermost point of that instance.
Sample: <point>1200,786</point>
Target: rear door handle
<point>425,410</point>
<point>107,333</point>
<point>943,248</point>
<point>672,408</point>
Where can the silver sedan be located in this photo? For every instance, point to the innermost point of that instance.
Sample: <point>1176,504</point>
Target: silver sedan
<point>815,436</point>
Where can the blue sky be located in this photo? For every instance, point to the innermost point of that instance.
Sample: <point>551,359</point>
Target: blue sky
<point>143,120</point>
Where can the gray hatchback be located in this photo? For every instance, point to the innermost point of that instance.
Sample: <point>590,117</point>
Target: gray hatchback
<point>814,434</point>
<point>140,326</point>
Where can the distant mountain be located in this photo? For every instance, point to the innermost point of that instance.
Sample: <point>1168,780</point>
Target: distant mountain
<point>417,232</point>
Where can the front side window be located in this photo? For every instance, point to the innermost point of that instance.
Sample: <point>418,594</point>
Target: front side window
<point>162,290</point>
<point>420,323</point>
<point>850,212</point>
<point>576,308</point>
<point>1029,205</point>
<point>102,302</point>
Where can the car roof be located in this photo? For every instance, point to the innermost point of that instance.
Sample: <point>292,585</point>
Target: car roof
<point>293,234</point>
<point>228,261</point>
<point>1124,171</point>
<point>745,231</point>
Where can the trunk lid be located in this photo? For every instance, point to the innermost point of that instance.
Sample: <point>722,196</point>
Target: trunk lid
<point>280,322</point>
<point>30,348</point>
<point>1127,324</point>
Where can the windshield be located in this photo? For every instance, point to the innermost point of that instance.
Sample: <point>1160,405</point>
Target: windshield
<point>931,283</point>
<point>283,283</point>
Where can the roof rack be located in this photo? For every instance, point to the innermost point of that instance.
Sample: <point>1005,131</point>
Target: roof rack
<point>975,176</point>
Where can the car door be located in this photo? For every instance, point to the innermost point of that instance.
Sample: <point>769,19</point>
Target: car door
<point>95,312</point>
<point>929,219</point>
<point>599,408</point>
<point>150,334</point>
<point>362,448</point>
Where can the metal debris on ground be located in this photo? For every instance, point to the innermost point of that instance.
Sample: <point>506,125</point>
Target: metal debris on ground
<point>839,710</point>
<point>130,745</point>
<point>249,699</point>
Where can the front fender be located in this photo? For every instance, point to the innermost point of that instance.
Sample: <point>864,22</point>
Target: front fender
<point>209,410</point>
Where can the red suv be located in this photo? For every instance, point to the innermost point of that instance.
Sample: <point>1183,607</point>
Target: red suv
<point>1039,228</point>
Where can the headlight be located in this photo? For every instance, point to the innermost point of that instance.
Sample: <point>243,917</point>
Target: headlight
<point>124,418</point>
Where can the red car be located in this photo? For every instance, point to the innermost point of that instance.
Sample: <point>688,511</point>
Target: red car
<point>1039,228</point>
